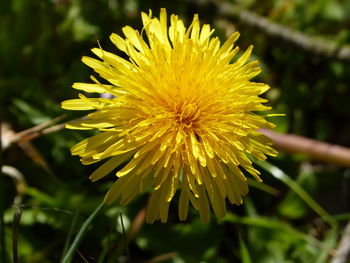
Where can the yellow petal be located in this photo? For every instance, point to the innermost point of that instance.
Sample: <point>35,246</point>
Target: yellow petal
<point>109,166</point>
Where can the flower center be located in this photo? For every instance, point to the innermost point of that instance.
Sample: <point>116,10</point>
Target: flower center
<point>187,115</point>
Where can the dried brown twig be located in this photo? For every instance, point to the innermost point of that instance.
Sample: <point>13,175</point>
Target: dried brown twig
<point>15,228</point>
<point>20,184</point>
<point>9,137</point>
<point>290,143</point>
<point>317,150</point>
<point>125,239</point>
<point>137,224</point>
<point>162,257</point>
<point>19,181</point>
<point>343,251</point>
<point>23,140</point>
<point>316,45</point>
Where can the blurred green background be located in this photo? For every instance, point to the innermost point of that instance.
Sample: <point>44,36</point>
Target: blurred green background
<point>41,44</point>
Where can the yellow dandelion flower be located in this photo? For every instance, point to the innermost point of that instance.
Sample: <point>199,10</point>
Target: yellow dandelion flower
<point>181,116</point>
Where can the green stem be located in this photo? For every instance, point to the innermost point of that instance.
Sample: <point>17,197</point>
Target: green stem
<point>81,234</point>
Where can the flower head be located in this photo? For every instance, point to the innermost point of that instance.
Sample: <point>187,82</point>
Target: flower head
<point>181,117</point>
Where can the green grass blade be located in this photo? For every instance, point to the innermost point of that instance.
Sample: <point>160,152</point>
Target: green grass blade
<point>263,187</point>
<point>245,258</point>
<point>103,254</point>
<point>38,195</point>
<point>276,225</point>
<point>330,241</point>
<point>280,175</point>
<point>81,234</point>
<point>70,234</point>
<point>340,217</point>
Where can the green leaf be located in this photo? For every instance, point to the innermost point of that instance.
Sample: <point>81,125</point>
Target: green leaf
<point>245,258</point>
<point>293,206</point>
<point>333,11</point>
<point>34,115</point>
<point>67,257</point>
<point>278,226</point>
<point>330,241</point>
<point>280,175</point>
